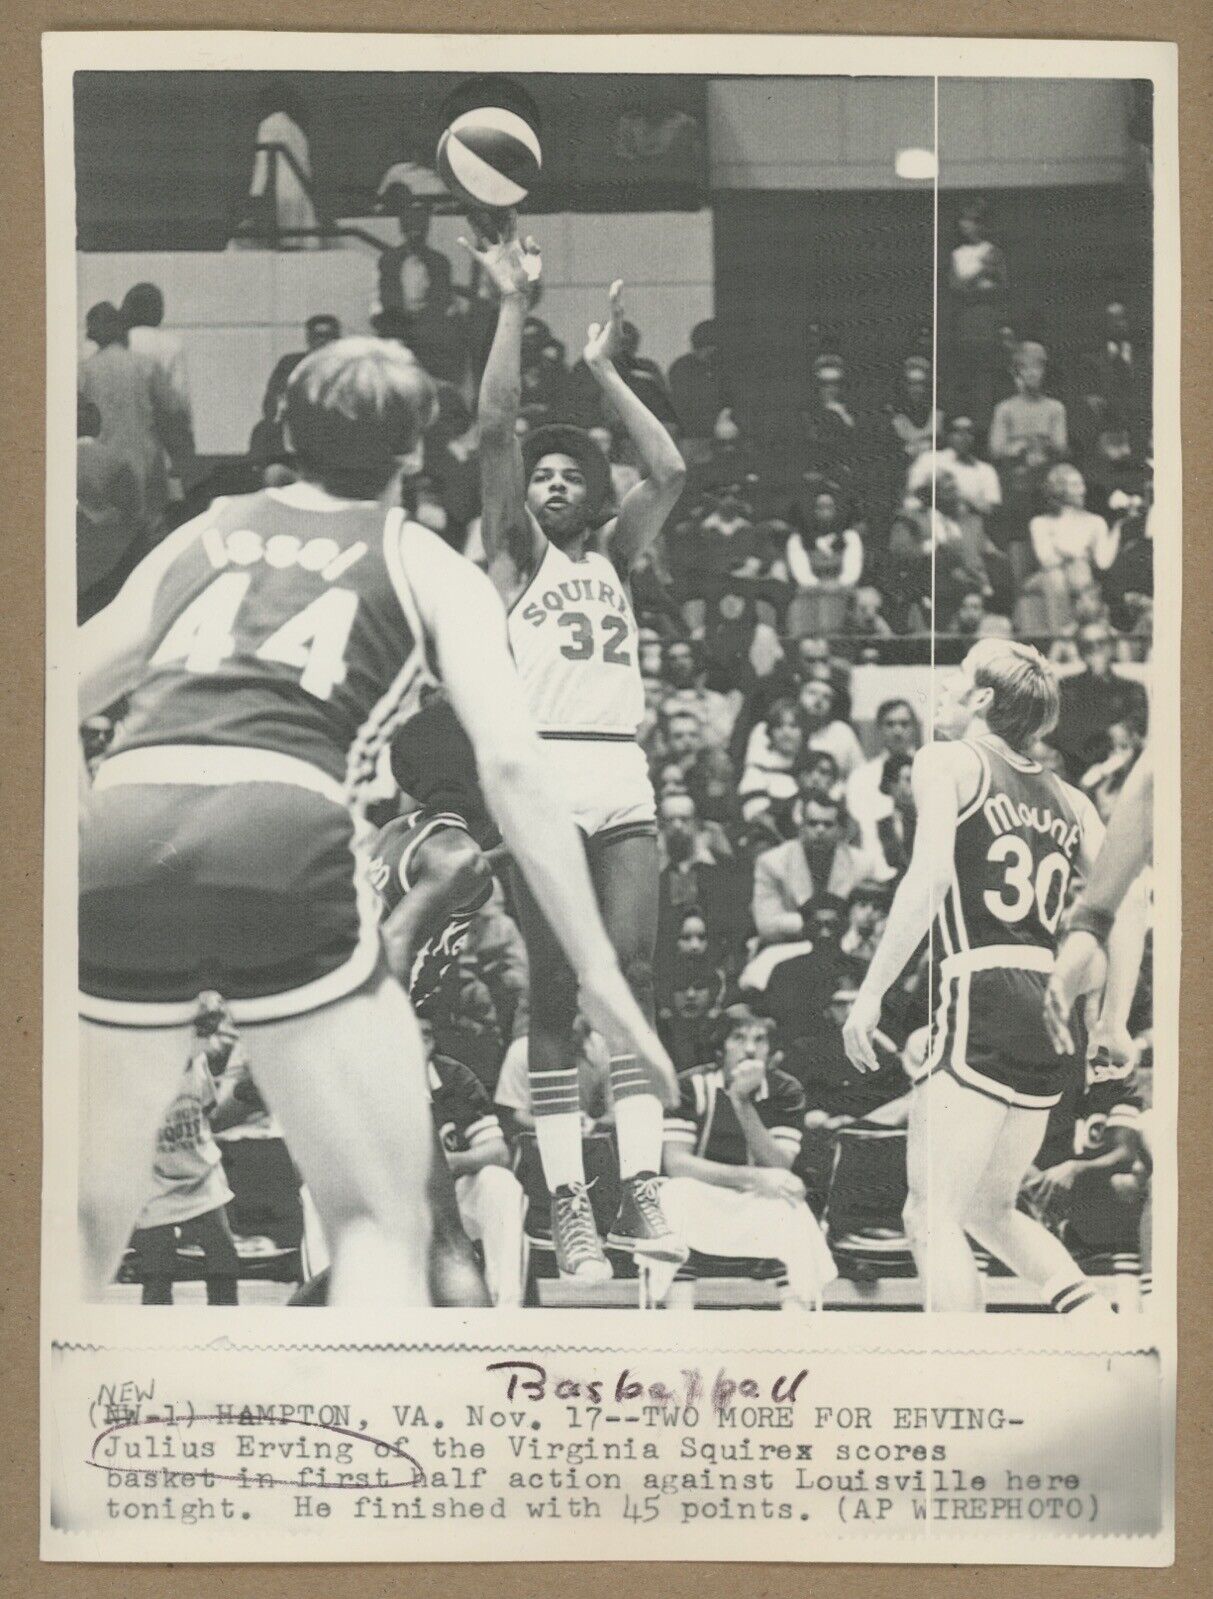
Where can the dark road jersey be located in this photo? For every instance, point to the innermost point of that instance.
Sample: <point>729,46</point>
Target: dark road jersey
<point>1016,844</point>
<point>391,874</point>
<point>284,623</point>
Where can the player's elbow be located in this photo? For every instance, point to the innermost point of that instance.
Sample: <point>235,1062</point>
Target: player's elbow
<point>670,471</point>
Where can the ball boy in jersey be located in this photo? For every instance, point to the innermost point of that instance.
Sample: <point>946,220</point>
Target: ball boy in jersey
<point>573,635</point>
<point>269,650</point>
<point>998,839</point>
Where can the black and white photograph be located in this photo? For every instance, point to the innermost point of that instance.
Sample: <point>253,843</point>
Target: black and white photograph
<point>610,691</point>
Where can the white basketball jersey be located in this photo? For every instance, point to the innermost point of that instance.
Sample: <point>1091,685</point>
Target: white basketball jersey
<point>573,637</point>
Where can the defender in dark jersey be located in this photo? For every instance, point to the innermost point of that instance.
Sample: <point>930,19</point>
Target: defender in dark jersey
<point>998,839</point>
<point>430,867</point>
<point>269,650</point>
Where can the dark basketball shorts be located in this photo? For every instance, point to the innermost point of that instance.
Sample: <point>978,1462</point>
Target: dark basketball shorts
<point>254,887</point>
<point>988,1029</point>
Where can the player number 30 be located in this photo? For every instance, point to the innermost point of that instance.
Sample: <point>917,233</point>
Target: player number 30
<point>1025,884</point>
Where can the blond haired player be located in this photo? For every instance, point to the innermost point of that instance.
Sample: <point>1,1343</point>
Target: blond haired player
<point>574,637</point>
<point>997,842</point>
<point>269,651</point>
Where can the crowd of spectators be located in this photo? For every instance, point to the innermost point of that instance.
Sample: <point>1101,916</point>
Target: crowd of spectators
<point>986,504</point>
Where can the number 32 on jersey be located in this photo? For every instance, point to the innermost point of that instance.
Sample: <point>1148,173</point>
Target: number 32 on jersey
<point>313,641</point>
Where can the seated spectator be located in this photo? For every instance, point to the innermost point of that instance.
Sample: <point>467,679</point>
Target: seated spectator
<point>1028,432</point>
<point>928,563</point>
<point>790,876</point>
<point>723,540</point>
<point>895,831</point>
<point>1102,449</point>
<point>318,330</point>
<point>739,646</point>
<point>867,912</point>
<point>490,1199</point>
<point>970,619</point>
<point>1088,607</point>
<point>828,436</point>
<point>730,462</point>
<point>687,679</point>
<point>770,539</point>
<point>817,777</point>
<point>826,550</point>
<point>976,480</point>
<point>1118,371</point>
<point>914,422</point>
<point>683,839</point>
<point>768,784</point>
<point>865,621</point>
<point>729,1149</point>
<point>1091,701</point>
<point>678,739</point>
<point>712,783</point>
<point>1066,541</point>
<point>808,659</point>
<point>900,733</point>
<point>1125,565</point>
<point>792,983</point>
<point>975,497</point>
<point>836,1090</point>
<point>824,730</point>
<point>1104,780</point>
<point>696,869</point>
<point>686,1019</point>
<point>696,389</point>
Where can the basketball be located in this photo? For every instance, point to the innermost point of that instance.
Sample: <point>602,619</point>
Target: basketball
<point>489,157</point>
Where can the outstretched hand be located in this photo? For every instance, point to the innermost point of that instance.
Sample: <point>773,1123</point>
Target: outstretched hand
<point>511,265</point>
<point>1071,977</point>
<point>604,341</point>
<point>861,1023</point>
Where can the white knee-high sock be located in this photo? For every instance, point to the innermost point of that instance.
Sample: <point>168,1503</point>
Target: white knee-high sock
<point>638,1129</point>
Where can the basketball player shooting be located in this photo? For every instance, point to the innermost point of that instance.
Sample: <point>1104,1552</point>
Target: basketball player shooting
<point>998,839</point>
<point>269,650</point>
<point>573,635</point>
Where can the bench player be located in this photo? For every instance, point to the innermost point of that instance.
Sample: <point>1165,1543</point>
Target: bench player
<point>574,637</point>
<point>269,649</point>
<point>998,839</point>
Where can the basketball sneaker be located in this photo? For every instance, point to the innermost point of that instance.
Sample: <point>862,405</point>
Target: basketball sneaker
<point>641,1227</point>
<point>579,1252</point>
